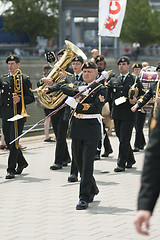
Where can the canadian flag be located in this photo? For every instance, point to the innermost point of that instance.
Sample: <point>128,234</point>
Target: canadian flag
<point>111,14</point>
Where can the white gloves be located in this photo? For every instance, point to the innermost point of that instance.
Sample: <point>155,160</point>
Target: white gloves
<point>81,88</point>
<point>70,101</point>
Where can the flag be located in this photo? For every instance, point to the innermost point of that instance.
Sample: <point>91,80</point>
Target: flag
<point>111,14</point>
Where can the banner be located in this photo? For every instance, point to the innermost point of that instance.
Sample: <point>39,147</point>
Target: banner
<point>111,14</point>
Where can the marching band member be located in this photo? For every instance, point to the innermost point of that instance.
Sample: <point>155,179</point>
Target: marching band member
<point>150,188</point>
<point>124,118</point>
<point>16,158</point>
<point>101,64</point>
<point>140,117</point>
<point>61,118</point>
<point>150,93</point>
<point>86,131</point>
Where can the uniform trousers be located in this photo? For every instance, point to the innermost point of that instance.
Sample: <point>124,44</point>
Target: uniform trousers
<point>74,169</point>
<point>15,155</point>
<point>84,152</point>
<point>139,124</point>
<point>60,127</point>
<point>123,129</point>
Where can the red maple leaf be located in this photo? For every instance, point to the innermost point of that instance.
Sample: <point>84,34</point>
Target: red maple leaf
<point>111,24</point>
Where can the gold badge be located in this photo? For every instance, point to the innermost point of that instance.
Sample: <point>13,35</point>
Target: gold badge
<point>101,98</point>
<point>98,59</point>
<point>85,107</point>
<point>71,85</point>
<point>87,64</point>
<point>12,57</point>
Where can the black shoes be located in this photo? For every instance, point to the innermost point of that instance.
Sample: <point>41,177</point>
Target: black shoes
<point>20,169</point>
<point>97,156</point>
<point>119,169</point>
<point>55,167</point>
<point>72,178</point>
<point>65,163</point>
<point>49,140</point>
<point>82,205</point>
<point>129,165</point>
<point>136,149</point>
<point>10,175</point>
<point>106,154</point>
<point>91,198</point>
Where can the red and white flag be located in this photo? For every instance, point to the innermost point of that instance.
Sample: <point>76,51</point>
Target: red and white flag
<point>111,14</point>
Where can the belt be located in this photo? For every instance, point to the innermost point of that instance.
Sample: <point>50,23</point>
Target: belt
<point>86,116</point>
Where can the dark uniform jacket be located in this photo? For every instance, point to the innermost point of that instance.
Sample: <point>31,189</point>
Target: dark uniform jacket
<point>7,88</point>
<point>148,95</point>
<point>150,182</point>
<point>117,89</point>
<point>87,128</point>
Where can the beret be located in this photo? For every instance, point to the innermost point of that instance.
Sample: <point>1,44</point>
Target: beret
<point>61,52</point>
<point>89,65</point>
<point>13,58</point>
<point>100,58</point>
<point>137,65</point>
<point>77,58</point>
<point>123,59</point>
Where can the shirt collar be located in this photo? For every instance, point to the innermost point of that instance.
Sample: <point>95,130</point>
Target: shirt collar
<point>125,75</point>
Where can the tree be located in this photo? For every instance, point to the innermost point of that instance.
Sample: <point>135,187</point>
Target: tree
<point>32,17</point>
<point>141,23</point>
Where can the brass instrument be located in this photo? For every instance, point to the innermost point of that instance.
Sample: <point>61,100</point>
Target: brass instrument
<point>18,90</point>
<point>133,91</point>
<point>52,100</point>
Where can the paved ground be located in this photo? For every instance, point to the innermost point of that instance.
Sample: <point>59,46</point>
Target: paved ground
<point>40,203</point>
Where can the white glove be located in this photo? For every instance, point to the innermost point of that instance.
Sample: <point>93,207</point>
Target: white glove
<point>70,101</point>
<point>81,88</point>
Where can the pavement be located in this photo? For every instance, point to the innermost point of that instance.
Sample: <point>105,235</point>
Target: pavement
<point>40,204</point>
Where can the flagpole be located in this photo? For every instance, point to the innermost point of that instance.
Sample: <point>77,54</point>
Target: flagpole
<point>99,36</point>
<point>100,49</point>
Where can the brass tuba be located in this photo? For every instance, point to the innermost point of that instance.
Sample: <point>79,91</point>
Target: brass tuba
<point>53,100</point>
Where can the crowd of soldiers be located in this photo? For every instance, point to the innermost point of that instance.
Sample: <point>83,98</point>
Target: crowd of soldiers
<point>89,88</point>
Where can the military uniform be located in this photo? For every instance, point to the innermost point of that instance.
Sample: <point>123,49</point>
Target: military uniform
<point>124,118</point>
<point>150,181</point>
<point>106,141</point>
<point>86,133</point>
<point>60,126</point>
<point>7,89</point>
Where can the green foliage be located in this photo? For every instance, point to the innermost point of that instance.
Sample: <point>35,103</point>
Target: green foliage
<point>141,23</point>
<point>33,17</point>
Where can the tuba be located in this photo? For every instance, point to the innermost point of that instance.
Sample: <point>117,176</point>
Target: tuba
<point>53,100</point>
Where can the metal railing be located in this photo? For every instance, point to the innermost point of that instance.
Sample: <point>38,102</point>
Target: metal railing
<point>151,52</point>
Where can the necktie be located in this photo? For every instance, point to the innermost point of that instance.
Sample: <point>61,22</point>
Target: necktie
<point>77,77</point>
<point>122,78</point>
